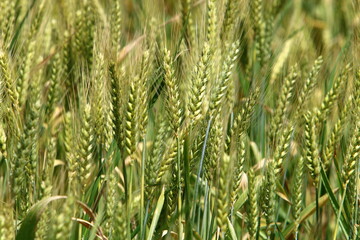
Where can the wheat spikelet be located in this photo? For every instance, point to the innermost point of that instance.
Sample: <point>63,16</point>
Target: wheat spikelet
<point>7,229</point>
<point>309,85</point>
<point>25,67</point>
<point>54,93</point>
<point>298,191</point>
<point>214,149</point>
<point>356,96</point>
<point>3,148</point>
<point>115,100</point>
<point>130,120</point>
<point>79,35</point>
<point>26,159</point>
<point>69,145</point>
<point>153,163</point>
<point>46,186</point>
<point>224,81</point>
<point>173,108</point>
<point>187,22</point>
<point>98,104</point>
<point>143,93</point>
<point>115,26</point>
<point>212,25</point>
<point>238,171</point>
<point>169,158</point>
<point>89,22</point>
<point>331,97</point>
<point>8,21</point>
<point>172,192</point>
<point>311,149</point>
<point>44,225</point>
<point>85,148</point>
<point>283,103</point>
<point>6,77</point>
<point>282,149</point>
<point>257,18</point>
<point>229,21</point>
<point>116,224</point>
<point>281,60</point>
<point>268,197</point>
<point>335,136</point>
<point>63,221</point>
<point>199,84</point>
<point>222,195</point>
<point>120,222</point>
<point>352,156</point>
<point>242,120</point>
<point>67,62</point>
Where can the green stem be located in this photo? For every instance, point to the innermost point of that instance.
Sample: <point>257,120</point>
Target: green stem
<point>188,232</point>
<point>128,207</point>
<point>142,229</point>
<point>339,214</point>
<point>317,204</point>
<point>179,191</point>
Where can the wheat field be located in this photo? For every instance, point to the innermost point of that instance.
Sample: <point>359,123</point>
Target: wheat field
<point>179,119</point>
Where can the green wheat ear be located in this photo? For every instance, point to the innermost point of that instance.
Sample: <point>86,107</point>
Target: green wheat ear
<point>283,103</point>
<point>311,148</point>
<point>282,149</point>
<point>26,65</point>
<point>215,149</point>
<point>173,107</point>
<point>308,86</point>
<point>242,120</point>
<point>7,21</point>
<point>86,149</point>
<point>268,197</point>
<point>222,88</point>
<point>258,22</point>
<point>63,220</point>
<point>115,25</point>
<point>54,93</point>
<point>27,155</point>
<point>115,93</point>
<point>145,71</point>
<point>332,96</point>
<point>222,195</point>
<point>298,192</point>
<point>199,84</point>
<point>229,21</point>
<point>116,224</point>
<point>187,22</point>
<point>130,120</point>
<point>6,77</point>
<point>335,136</point>
<point>168,158</point>
<point>239,170</point>
<point>350,161</point>
<point>7,228</point>
<point>3,148</point>
<point>153,163</point>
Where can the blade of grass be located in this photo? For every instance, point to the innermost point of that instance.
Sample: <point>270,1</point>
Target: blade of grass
<point>306,213</point>
<point>201,166</point>
<point>334,203</point>
<point>28,226</point>
<point>156,216</point>
<point>232,230</point>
